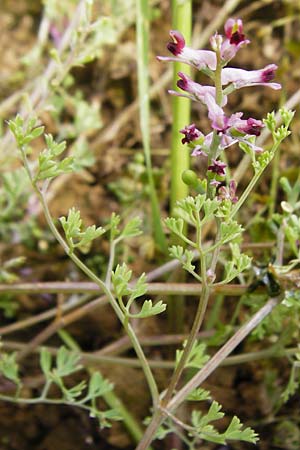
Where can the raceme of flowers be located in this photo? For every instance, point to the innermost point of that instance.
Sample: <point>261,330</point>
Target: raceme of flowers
<point>228,129</point>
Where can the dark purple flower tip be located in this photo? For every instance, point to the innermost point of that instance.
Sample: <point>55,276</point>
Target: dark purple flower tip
<point>178,43</point>
<point>268,74</point>
<point>217,167</point>
<point>191,133</point>
<point>234,32</point>
<point>254,127</point>
<point>183,83</point>
<point>237,38</point>
<point>250,126</point>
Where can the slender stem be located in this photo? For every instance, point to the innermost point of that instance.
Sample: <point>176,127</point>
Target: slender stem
<point>224,351</point>
<point>50,401</point>
<point>218,78</point>
<point>274,184</point>
<point>250,186</point>
<point>209,367</point>
<point>135,342</point>
<point>214,148</point>
<point>189,344</point>
<point>217,248</point>
<point>149,435</point>
<point>110,264</point>
<point>45,389</point>
<point>245,193</point>
<point>197,321</point>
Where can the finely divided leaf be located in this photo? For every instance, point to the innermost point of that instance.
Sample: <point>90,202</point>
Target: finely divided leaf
<point>148,309</point>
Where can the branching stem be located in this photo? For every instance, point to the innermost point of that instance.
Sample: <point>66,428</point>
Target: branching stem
<point>131,334</point>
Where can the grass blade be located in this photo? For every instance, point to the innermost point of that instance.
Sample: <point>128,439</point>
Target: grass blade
<point>142,30</point>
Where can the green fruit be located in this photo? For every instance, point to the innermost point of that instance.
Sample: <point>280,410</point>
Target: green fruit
<point>190,178</point>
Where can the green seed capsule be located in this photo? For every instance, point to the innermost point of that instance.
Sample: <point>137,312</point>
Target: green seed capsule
<point>190,178</point>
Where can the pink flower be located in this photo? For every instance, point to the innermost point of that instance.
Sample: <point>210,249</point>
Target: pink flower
<point>215,183</point>
<point>234,31</point>
<point>177,44</point>
<point>226,126</point>
<point>217,116</point>
<point>235,39</point>
<point>221,122</point>
<point>241,78</point>
<point>191,133</point>
<point>228,193</point>
<point>200,59</point>
<point>195,90</point>
<point>250,126</point>
<point>204,146</point>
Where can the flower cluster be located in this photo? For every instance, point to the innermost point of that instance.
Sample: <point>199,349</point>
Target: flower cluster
<point>226,129</point>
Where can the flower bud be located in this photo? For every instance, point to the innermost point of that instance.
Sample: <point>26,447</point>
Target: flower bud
<point>216,42</point>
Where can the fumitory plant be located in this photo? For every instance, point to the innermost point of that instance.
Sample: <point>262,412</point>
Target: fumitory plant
<point>214,207</point>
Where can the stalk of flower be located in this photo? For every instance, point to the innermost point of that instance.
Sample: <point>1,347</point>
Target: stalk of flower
<point>226,131</point>
<point>217,203</point>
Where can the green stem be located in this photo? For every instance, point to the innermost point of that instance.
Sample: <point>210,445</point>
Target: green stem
<point>218,79</point>
<point>110,263</point>
<point>251,185</point>
<point>135,342</point>
<point>46,389</point>
<point>202,305</point>
<point>181,108</point>
<point>180,159</point>
<point>214,148</point>
<point>189,344</point>
<point>274,184</point>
